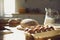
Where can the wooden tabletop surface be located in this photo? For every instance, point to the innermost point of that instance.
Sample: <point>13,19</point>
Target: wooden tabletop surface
<point>12,34</point>
<point>15,34</point>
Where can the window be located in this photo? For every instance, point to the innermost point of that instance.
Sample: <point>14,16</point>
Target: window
<point>9,7</point>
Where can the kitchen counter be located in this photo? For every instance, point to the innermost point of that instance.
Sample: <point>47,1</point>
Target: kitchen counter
<point>38,17</point>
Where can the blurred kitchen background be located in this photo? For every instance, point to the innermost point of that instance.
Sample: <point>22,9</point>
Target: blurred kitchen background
<point>34,9</point>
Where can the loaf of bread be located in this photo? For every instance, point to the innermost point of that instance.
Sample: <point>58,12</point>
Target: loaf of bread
<point>28,22</point>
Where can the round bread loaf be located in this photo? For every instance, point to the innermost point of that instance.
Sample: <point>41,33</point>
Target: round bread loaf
<point>28,23</point>
<point>14,23</point>
<point>3,22</point>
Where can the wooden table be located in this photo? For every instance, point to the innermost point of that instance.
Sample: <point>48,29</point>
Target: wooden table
<point>13,34</point>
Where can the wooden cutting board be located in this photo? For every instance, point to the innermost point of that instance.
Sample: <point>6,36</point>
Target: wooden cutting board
<point>46,34</point>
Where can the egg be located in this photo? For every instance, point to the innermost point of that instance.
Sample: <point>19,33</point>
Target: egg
<point>26,29</point>
<point>52,28</point>
<point>30,31</point>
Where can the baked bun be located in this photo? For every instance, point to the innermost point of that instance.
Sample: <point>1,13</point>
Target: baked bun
<point>28,23</point>
<point>14,22</point>
<point>3,22</point>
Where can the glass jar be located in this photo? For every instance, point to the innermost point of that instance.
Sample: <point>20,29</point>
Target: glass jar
<point>51,15</point>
